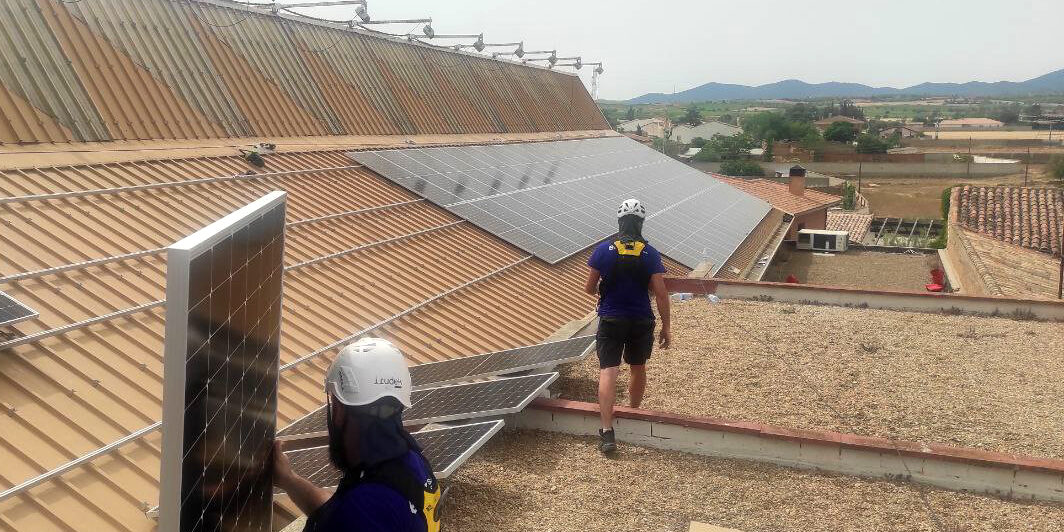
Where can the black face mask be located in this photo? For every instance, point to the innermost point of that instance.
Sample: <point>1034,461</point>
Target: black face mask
<point>630,228</point>
<point>368,435</point>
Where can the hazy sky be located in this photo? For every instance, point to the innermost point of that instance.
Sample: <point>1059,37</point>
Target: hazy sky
<point>659,46</point>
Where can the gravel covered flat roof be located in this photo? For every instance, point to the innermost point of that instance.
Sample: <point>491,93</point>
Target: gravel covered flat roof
<point>988,383</point>
<point>529,480</point>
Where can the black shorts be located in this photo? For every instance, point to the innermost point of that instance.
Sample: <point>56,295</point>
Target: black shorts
<point>634,338</point>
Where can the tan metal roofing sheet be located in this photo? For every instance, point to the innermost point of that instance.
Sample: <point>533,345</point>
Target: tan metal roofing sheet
<point>105,70</point>
<point>447,287</point>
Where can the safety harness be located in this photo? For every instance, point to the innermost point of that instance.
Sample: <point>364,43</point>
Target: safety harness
<point>629,265</point>
<point>423,497</point>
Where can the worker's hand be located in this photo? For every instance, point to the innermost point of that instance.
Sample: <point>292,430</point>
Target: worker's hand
<point>282,467</point>
<point>665,338</point>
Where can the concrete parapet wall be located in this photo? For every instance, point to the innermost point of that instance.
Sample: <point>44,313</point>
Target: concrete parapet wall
<point>927,169</point>
<point>852,297</point>
<point>939,465</point>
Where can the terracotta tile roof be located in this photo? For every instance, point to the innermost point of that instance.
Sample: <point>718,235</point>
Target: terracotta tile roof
<point>780,196</point>
<point>1011,271</point>
<point>161,69</point>
<point>856,224</point>
<point>1029,217</point>
<point>67,393</point>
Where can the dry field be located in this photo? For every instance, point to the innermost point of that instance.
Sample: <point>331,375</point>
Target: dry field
<point>920,197</point>
<point>856,269</point>
<point>1041,134</point>
<point>524,480</point>
<point>988,383</point>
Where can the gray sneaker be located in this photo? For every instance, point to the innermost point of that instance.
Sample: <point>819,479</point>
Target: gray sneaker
<point>607,442</point>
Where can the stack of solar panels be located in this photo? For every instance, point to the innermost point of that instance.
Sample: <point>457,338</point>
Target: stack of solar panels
<point>443,394</point>
<point>554,199</point>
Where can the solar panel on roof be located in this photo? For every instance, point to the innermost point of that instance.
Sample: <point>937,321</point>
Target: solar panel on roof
<point>222,347</point>
<point>502,362</point>
<point>553,199</point>
<point>11,311</point>
<point>448,403</point>
<point>445,448</point>
<point>478,399</point>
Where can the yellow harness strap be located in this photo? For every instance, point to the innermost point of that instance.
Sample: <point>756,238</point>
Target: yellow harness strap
<point>631,248</point>
<point>432,500</point>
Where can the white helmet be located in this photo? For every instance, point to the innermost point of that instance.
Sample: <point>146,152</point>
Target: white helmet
<point>632,206</point>
<point>367,370</point>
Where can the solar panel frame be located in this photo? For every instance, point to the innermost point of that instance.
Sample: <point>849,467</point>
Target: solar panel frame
<point>13,311</point>
<point>313,463</point>
<point>493,363</point>
<point>532,386</point>
<point>194,338</point>
<point>554,199</point>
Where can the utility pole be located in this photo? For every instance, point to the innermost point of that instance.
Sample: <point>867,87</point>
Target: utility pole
<point>1027,167</point>
<point>969,157</point>
<point>860,167</point>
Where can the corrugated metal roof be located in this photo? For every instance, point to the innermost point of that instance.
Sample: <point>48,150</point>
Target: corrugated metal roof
<point>99,70</point>
<point>69,392</point>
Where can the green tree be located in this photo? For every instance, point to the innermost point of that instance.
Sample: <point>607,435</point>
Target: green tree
<point>848,108</point>
<point>729,147</point>
<point>691,116</point>
<point>803,112</point>
<point>770,125</point>
<point>849,196</point>
<point>741,168</point>
<point>1055,167</point>
<point>871,144</point>
<point>1034,110</point>
<point>671,146</point>
<point>770,148</point>
<point>639,130</point>
<point>698,142</point>
<point>840,132</point>
<point>631,113</point>
<point>726,118</point>
<point>1008,114</point>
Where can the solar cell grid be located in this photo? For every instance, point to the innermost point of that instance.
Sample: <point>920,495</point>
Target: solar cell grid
<point>479,399</point>
<point>554,199</point>
<point>12,311</point>
<point>221,364</point>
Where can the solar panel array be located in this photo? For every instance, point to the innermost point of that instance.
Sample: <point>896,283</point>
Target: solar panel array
<point>11,311</point>
<point>223,324</point>
<point>445,448</point>
<point>449,403</point>
<point>554,199</point>
<point>509,361</point>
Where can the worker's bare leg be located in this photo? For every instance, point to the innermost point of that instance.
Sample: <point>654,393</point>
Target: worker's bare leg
<point>607,390</point>
<point>637,385</point>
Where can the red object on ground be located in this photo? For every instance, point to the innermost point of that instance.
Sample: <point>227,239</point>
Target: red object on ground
<point>791,279</point>
<point>937,276</point>
<point>934,287</point>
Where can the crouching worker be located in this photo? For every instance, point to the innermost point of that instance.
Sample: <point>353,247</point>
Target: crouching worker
<point>388,484</point>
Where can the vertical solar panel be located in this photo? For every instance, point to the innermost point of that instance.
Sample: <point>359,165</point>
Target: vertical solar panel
<point>11,311</point>
<point>554,199</point>
<point>222,347</point>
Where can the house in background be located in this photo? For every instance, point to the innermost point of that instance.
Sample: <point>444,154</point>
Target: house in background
<point>970,123</point>
<point>647,127</point>
<point>808,207</point>
<point>906,132</point>
<point>686,133</point>
<point>825,123</point>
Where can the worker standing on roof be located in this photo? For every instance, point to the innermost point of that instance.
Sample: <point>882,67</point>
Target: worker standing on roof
<point>388,484</point>
<point>622,271</point>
